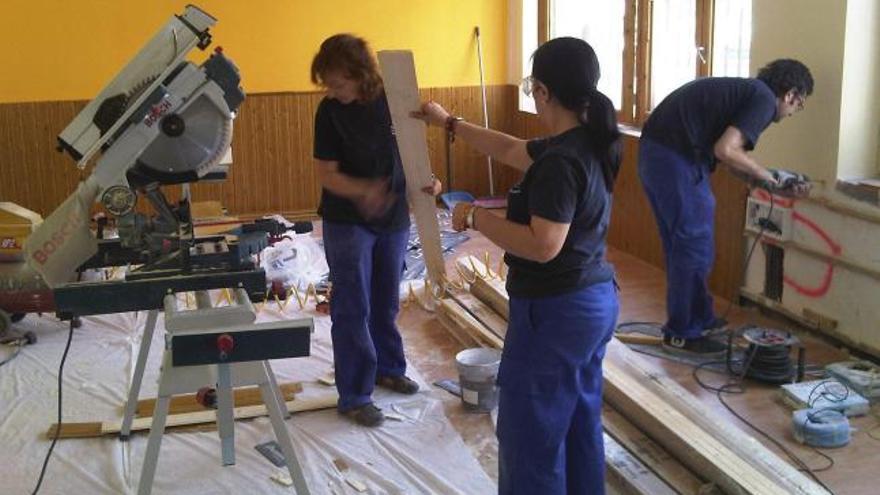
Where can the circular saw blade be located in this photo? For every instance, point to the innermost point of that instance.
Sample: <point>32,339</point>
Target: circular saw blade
<point>200,147</point>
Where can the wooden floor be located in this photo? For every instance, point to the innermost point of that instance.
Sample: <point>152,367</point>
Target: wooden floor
<point>432,350</point>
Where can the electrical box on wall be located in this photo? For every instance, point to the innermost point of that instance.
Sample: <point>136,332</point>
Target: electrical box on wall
<point>774,222</point>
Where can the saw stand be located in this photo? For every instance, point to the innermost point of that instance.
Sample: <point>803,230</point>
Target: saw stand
<point>222,346</point>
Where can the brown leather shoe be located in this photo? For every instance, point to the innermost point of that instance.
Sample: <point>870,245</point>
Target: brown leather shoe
<point>366,415</point>
<point>400,384</point>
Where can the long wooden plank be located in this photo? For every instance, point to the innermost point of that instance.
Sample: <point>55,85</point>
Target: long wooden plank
<point>665,390</point>
<point>95,429</point>
<point>458,333</point>
<point>628,475</point>
<point>402,92</point>
<point>465,320</point>
<point>483,313</point>
<point>652,455</point>
<point>242,396</point>
<point>490,290</point>
<point>695,446</point>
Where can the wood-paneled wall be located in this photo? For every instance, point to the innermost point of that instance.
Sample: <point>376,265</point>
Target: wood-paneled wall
<point>273,170</point>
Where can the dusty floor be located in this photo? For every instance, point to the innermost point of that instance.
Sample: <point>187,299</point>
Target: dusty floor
<point>432,350</point>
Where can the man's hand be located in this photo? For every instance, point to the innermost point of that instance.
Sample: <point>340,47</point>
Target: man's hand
<point>791,184</point>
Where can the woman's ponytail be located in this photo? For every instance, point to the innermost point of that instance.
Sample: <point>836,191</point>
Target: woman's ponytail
<point>600,119</point>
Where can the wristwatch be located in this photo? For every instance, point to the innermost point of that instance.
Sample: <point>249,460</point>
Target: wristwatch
<point>451,122</point>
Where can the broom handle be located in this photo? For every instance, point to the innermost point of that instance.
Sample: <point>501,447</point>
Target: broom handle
<point>485,109</point>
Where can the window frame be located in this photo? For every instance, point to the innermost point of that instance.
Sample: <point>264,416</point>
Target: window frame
<point>636,91</point>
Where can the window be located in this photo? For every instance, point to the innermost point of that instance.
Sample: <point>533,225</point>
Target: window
<point>732,38</point>
<point>674,53</point>
<point>599,23</point>
<point>647,48</point>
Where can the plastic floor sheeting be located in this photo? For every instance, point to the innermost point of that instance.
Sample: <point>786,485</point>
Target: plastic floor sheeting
<point>421,453</point>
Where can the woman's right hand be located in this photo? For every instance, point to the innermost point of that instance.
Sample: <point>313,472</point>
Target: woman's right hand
<point>376,199</point>
<point>432,113</point>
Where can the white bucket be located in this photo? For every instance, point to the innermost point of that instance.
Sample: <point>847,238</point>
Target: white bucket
<point>477,371</point>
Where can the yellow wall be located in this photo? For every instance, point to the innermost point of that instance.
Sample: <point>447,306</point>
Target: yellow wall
<point>68,50</point>
<point>812,31</point>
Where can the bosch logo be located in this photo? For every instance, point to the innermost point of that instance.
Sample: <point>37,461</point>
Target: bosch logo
<point>58,238</point>
<point>156,112</point>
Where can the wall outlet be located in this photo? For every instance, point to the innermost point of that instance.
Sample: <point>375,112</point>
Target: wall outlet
<point>773,222</point>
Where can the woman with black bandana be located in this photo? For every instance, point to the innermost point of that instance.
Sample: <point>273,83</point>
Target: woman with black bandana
<point>563,303</point>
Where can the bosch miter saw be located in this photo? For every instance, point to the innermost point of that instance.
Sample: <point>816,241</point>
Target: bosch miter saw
<point>163,120</point>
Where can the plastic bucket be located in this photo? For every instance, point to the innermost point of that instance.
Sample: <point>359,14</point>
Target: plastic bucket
<point>477,371</point>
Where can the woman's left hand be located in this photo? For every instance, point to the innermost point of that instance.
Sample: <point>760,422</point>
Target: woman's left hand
<point>434,188</point>
<point>432,113</point>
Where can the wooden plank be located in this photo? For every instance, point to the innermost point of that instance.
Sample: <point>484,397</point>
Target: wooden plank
<point>484,284</point>
<point>638,338</point>
<point>652,455</point>
<point>696,447</point>
<point>457,332</point>
<point>402,92</point>
<point>493,294</point>
<point>459,316</point>
<point>709,445</point>
<point>482,313</point>
<point>628,475</point>
<point>95,429</point>
<point>242,396</point>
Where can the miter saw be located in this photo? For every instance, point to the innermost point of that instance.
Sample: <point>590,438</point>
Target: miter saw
<point>163,120</point>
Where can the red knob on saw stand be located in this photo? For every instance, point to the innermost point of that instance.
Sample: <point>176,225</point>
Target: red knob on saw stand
<point>225,344</point>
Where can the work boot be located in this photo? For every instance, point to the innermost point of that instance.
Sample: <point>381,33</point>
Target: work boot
<point>366,415</point>
<point>400,384</point>
<point>703,346</point>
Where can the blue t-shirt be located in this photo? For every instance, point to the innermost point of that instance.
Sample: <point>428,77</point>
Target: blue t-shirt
<point>693,117</point>
<point>360,136</point>
<point>565,185</point>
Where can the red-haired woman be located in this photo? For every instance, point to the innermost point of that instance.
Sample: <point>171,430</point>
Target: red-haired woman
<point>365,224</point>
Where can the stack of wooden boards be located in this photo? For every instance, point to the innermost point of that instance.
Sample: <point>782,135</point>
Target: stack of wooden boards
<point>662,439</point>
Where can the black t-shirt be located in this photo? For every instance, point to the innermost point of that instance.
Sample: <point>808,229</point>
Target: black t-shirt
<point>693,117</point>
<point>565,185</point>
<point>360,136</point>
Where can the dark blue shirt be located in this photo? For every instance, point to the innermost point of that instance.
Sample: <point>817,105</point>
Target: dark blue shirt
<point>359,136</point>
<point>564,185</point>
<point>693,117</point>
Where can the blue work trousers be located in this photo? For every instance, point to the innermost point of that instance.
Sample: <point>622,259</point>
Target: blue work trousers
<point>365,270</point>
<point>684,207</point>
<point>550,385</point>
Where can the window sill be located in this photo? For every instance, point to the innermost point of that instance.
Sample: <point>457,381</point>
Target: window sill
<point>866,190</point>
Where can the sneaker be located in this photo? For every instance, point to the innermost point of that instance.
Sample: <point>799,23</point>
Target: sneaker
<point>700,345</point>
<point>400,384</point>
<point>366,415</point>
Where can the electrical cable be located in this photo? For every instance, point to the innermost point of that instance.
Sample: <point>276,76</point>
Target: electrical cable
<point>58,423</point>
<point>751,252</point>
<point>771,359</point>
<point>736,387</point>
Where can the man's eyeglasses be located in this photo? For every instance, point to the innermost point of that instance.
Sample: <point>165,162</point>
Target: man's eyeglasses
<point>799,100</point>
